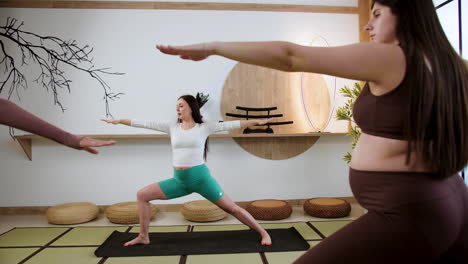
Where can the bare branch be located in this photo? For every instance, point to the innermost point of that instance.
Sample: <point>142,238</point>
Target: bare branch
<point>50,54</point>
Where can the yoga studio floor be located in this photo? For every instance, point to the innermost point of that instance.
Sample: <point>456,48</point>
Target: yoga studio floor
<point>30,239</point>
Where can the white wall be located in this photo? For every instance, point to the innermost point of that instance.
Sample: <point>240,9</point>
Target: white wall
<point>448,15</point>
<point>124,40</point>
<point>464,11</point>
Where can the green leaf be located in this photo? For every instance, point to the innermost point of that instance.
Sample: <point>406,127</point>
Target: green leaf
<point>345,113</point>
<point>346,91</point>
<point>357,90</point>
<point>347,157</point>
<point>342,114</point>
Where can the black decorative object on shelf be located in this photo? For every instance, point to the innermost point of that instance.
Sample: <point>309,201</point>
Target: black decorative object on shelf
<point>202,99</point>
<point>259,130</point>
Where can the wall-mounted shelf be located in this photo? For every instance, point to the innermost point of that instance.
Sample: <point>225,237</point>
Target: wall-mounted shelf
<point>26,140</point>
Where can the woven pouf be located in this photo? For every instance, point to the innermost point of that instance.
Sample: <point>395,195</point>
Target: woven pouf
<point>72,213</point>
<point>202,211</point>
<point>269,209</point>
<point>327,207</point>
<point>126,213</point>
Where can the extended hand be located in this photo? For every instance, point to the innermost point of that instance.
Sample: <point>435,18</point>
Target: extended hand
<point>264,121</point>
<point>89,144</point>
<point>195,52</point>
<point>111,121</point>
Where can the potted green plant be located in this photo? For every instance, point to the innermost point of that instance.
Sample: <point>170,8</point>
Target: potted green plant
<point>346,113</point>
<point>201,99</point>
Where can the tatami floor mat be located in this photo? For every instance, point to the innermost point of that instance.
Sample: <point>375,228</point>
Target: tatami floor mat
<point>76,245</point>
<point>286,257</point>
<point>87,236</point>
<point>303,229</point>
<point>250,258</point>
<point>329,227</point>
<point>71,255</point>
<point>15,255</point>
<point>34,236</point>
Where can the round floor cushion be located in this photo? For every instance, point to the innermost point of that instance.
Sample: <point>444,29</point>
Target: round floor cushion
<point>202,211</point>
<point>327,207</point>
<point>72,213</point>
<point>126,213</point>
<point>269,209</point>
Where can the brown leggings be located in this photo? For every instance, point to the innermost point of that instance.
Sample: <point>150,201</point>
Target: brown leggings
<point>412,218</point>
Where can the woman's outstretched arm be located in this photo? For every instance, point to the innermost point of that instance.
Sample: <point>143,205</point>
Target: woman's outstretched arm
<point>126,122</point>
<point>375,62</point>
<point>254,122</point>
<point>14,116</point>
<point>154,125</point>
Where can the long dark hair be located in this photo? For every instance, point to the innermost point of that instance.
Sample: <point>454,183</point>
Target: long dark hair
<point>196,115</point>
<point>437,79</point>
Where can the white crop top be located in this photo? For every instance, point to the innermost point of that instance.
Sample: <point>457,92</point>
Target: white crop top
<point>188,145</point>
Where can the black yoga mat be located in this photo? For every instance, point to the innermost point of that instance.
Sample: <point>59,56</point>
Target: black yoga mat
<point>196,243</point>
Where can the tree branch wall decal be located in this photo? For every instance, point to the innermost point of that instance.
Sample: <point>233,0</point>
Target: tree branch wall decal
<point>51,54</point>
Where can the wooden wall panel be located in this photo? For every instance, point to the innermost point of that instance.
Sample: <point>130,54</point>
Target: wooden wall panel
<point>178,6</point>
<point>259,87</point>
<point>364,7</point>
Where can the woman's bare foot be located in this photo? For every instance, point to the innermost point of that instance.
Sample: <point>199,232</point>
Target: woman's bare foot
<point>138,240</point>
<point>266,239</point>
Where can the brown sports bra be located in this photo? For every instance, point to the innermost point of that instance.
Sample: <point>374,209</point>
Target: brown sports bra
<point>383,115</point>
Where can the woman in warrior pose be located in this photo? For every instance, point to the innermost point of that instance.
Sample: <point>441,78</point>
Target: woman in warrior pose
<point>188,140</point>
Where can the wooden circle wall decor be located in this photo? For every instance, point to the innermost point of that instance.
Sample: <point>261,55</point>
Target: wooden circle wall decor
<point>260,87</point>
<point>316,100</point>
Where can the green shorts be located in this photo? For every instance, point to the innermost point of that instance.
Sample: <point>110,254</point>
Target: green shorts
<point>196,179</point>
